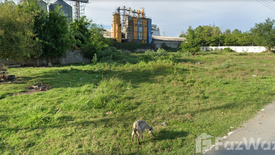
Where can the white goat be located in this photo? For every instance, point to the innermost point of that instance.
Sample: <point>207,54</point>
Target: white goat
<point>138,128</point>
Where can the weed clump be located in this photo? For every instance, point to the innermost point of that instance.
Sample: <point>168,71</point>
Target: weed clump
<point>105,95</point>
<point>228,50</point>
<point>228,63</point>
<point>38,115</point>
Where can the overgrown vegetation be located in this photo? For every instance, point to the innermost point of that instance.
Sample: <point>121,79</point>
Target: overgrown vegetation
<point>16,33</point>
<point>45,34</point>
<point>91,107</point>
<point>131,46</point>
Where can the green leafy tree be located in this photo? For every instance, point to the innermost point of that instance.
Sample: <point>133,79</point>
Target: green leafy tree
<point>182,35</point>
<point>213,35</point>
<point>96,43</point>
<point>200,35</point>
<point>79,32</point>
<point>192,43</point>
<point>40,17</point>
<point>245,39</point>
<point>208,35</point>
<point>229,39</point>
<point>264,34</point>
<point>236,34</point>
<point>54,35</point>
<point>17,39</point>
<point>237,38</point>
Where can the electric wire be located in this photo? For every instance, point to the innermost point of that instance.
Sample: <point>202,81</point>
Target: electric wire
<point>266,4</point>
<point>269,3</point>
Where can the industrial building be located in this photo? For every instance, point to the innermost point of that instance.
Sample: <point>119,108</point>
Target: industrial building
<point>68,13</point>
<point>42,4</point>
<point>172,42</point>
<point>134,28</point>
<point>155,30</point>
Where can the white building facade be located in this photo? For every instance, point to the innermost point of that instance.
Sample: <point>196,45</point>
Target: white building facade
<point>155,30</point>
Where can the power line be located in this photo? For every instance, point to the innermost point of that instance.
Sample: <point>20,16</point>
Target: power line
<point>270,4</point>
<point>266,4</point>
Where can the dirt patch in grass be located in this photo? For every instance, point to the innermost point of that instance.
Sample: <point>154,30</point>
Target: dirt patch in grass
<point>35,89</point>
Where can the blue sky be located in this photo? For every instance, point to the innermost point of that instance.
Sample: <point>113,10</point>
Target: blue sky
<point>175,16</point>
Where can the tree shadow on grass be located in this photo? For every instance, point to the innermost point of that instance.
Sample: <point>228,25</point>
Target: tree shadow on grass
<point>217,107</point>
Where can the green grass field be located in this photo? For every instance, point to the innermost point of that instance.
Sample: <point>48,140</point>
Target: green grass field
<point>91,108</point>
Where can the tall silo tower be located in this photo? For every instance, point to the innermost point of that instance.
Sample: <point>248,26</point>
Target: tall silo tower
<point>79,8</point>
<point>65,7</point>
<point>43,4</point>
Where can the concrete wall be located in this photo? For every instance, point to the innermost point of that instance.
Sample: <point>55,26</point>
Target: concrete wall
<point>172,44</point>
<point>72,56</point>
<point>254,49</point>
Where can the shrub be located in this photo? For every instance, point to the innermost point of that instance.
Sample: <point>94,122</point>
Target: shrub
<point>167,48</point>
<point>89,50</point>
<point>94,60</point>
<point>228,50</point>
<point>105,95</point>
<point>158,53</point>
<point>110,53</point>
<point>130,46</point>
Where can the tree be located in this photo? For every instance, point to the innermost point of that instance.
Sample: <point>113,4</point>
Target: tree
<point>192,43</point>
<point>208,35</point>
<point>245,39</point>
<point>54,35</point>
<point>213,35</point>
<point>182,35</point>
<point>17,39</point>
<point>79,31</point>
<point>96,43</point>
<point>229,40</point>
<point>40,17</point>
<point>264,34</point>
<point>237,38</point>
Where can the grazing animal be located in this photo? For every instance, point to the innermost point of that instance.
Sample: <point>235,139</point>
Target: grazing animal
<point>138,128</point>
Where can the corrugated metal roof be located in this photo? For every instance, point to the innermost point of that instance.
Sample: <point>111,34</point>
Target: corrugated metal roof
<point>168,38</point>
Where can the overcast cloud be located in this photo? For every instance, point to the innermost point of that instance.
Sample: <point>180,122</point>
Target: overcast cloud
<point>175,16</point>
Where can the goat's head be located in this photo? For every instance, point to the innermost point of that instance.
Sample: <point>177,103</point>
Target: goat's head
<point>151,130</point>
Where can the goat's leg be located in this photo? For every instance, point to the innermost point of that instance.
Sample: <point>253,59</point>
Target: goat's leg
<point>133,133</point>
<point>142,134</point>
<point>139,133</point>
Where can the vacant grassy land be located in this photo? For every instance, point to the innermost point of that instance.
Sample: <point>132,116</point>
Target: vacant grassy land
<point>90,109</point>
